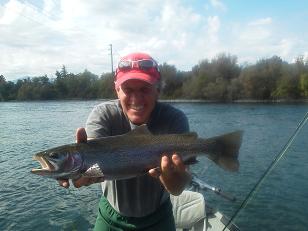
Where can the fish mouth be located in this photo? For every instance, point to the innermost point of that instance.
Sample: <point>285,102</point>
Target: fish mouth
<point>46,166</point>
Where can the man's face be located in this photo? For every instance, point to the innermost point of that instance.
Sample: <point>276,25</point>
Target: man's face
<point>137,99</point>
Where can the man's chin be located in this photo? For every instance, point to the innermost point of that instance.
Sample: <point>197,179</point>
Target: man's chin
<point>137,120</point>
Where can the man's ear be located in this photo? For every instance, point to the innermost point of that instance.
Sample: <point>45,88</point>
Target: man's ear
<point>117,90</point>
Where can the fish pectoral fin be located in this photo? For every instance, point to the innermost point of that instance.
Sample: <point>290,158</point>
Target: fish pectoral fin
<point>94,171</point>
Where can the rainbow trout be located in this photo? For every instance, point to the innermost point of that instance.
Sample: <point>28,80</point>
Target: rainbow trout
<point>133,154</point>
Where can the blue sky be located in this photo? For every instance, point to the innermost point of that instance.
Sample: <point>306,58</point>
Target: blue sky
<point>38,37</point>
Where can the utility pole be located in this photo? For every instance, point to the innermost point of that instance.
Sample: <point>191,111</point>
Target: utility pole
<point>111,56</point>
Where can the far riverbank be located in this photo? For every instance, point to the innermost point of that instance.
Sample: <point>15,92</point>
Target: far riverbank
<point>234,101</point>
<point>289,101</point>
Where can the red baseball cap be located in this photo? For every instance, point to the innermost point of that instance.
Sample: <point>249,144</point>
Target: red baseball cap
<point>139,66</point>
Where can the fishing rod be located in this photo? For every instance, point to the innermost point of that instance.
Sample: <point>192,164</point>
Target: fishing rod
<point>198,184</point>
<point>269,169</point>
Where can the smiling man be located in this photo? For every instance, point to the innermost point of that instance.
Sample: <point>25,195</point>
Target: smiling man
<point>140,203</point>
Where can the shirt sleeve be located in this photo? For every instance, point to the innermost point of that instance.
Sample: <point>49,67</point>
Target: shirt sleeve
<point>97,123</point>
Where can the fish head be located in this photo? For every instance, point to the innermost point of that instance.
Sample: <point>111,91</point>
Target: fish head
<point>58,163</point>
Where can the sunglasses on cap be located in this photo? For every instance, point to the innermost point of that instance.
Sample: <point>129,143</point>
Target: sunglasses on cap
<point>143,64</point>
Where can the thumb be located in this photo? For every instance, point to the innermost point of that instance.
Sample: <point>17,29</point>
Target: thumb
<point>155,172</point>
<point>81,135</point>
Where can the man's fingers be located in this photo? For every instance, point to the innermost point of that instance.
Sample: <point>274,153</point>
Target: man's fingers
<point>64,183</point>
<point>165,164</point>
<point>170,165</point>
<point>85,181</point>
<point>177,161</point>
<point>82,181</point>
<point>155,172</point>
<point>81,135</point>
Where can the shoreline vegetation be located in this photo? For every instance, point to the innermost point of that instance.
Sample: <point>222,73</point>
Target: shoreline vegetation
<point>220,80</point>
<point>242,101</point>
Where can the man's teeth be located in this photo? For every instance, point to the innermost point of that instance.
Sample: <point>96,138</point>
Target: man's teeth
<point>137,108</point>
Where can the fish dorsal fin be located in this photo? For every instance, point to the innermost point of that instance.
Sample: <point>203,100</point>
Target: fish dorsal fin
<point>140,130</point>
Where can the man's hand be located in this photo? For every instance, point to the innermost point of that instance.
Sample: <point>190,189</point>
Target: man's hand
<point>172,173</point>
<point>81,137</point>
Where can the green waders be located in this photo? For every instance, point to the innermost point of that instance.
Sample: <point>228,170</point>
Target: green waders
<point>109,219</point>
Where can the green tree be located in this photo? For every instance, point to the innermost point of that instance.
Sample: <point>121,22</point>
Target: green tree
<point>106,86</point>
<point>2,88</point>
<point>86,87</point>
<point>61,87</point>
<point>172,81</point>
<point>225,67</point>
<point>303,85</point>
<point>259,81</point>
<point>195,86</point>
<point>36,88</point>
<point>216,90</point>
<point>234,90</point>
<point>287,88</point>
<point>211,80</point>
<point>221,78</point>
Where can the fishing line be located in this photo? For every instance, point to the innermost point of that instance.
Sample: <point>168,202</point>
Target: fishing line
<point>269,169</point>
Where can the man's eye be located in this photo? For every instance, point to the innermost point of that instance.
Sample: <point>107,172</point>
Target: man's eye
<point>146,90</point>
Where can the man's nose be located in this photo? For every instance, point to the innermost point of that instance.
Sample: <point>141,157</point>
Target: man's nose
<point>136,95</point>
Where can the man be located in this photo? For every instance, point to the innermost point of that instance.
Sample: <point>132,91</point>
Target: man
<point>140,203</point>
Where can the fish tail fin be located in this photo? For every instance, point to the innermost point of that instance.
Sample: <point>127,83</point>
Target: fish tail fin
<point>224,149</point>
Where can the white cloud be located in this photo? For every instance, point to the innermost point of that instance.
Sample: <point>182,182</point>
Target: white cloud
<point>49,7</point>
<point>213,28</point>
<point>285,47</point>
<point>77,33</point>
<point>260,38</point>
<point>261,22</point>
<point>218,5</point>
<point>257,31</point>
<point>10,12</point>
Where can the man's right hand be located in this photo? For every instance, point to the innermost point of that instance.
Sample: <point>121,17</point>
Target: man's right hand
<point>81,137</point>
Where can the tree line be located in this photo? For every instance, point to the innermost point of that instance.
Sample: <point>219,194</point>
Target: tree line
<point>220,78</point>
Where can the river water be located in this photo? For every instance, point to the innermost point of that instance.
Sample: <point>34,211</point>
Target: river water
<point>30,202</point>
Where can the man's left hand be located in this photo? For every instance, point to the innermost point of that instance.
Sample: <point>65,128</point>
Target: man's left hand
<point>172,173</point>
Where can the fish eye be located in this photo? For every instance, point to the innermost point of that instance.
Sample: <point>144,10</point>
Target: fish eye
<point>54,155</point>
